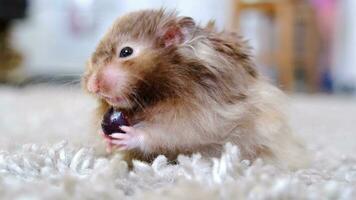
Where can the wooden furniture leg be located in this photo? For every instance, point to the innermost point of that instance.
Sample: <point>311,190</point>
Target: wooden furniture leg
<point>311,54</point>
<point>285,58</point>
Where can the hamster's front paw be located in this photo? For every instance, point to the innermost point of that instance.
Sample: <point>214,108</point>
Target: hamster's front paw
<point>131,139</point>
<point>109,146</point>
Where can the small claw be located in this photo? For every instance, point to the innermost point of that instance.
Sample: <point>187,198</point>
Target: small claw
<point>109,148</point>
<point>107,139</point>
<point>119,136</point>
<point>127,128</point>
<point>104,135</point>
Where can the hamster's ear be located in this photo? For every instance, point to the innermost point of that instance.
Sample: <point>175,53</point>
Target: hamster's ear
<point>177,32</point>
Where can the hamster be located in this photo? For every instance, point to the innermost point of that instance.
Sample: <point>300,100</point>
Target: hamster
<point>187,89</point>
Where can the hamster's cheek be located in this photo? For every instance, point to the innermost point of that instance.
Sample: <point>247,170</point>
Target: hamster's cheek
<point>92,83</point>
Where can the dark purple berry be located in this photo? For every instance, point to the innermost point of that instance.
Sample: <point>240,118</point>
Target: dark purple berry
<point>112,121</point>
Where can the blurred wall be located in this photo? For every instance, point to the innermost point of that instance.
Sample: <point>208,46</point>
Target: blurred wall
<point>344,69</point>
<point>59,35</point>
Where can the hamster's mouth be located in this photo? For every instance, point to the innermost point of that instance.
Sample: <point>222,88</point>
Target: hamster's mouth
<point>116,101</point>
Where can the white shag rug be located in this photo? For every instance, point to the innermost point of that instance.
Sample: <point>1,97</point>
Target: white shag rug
<point>46,153</point>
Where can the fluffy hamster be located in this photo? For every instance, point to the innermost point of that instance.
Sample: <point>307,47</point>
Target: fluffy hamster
<point>187,89</point>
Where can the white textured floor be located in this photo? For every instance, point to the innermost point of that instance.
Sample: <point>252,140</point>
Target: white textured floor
<point>47,167</point>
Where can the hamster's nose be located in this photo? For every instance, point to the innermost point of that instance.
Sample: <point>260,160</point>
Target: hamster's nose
<point>93,84</point>
<point>110,80</point>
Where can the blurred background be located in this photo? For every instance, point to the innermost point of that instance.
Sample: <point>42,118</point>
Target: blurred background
<point>301,45</point>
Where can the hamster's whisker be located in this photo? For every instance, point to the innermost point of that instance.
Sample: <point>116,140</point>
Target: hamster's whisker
<point>190,46</point>
<point>72,82</point>
<point>140,79</point>
<point>127,101</point>
<point>195,38</point>
<point>69,74</point>
<point>134,97</point>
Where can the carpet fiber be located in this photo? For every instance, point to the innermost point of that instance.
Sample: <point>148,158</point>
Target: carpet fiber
<point>47,152</point>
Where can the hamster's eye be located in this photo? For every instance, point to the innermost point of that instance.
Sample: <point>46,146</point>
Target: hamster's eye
<point>126,51</point>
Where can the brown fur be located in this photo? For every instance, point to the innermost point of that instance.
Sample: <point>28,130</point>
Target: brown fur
<point>198,94</point>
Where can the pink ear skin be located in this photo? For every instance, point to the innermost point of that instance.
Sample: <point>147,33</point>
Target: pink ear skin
<point>178,32</point>
<point>173,36</point>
